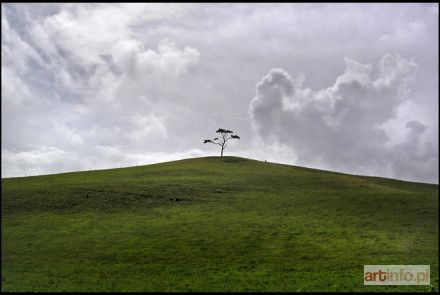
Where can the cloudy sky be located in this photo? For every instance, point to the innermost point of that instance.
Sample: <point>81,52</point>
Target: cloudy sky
<point>343,87</point>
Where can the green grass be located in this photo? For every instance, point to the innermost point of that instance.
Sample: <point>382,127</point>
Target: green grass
<point>213,224</point>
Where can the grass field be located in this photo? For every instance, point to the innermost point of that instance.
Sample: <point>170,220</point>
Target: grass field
<point>213,224</point>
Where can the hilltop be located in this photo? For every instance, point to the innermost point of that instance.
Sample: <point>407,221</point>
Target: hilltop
<point>213,224</point>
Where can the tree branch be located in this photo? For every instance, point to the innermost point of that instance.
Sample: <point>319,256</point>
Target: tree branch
<point>210,141</point>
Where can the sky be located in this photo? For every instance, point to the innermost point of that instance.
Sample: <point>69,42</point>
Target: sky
<point>343,87</point>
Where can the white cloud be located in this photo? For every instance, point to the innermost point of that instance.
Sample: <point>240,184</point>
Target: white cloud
<point>155,79</point>
<point>403,36</point>
<point>147,128</point>
<point>50,160</point>
<point>342,127</point>
<point>132,58</point>
<point>14,90</point>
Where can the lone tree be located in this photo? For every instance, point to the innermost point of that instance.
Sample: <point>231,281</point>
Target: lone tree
<point>225,135</point>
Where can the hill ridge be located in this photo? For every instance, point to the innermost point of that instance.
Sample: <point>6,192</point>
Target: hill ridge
<point>225,159</point>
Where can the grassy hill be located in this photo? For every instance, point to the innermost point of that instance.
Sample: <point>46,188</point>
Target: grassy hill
<point>213,224</point>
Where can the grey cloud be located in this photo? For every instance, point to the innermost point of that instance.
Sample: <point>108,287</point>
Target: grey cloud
<point>342,127</point>
<point>84,82</point>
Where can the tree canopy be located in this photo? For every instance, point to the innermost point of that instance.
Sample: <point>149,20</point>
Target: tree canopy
<point>225,135</point>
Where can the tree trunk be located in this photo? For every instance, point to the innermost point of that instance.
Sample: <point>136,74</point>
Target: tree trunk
<point>221,155</point>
